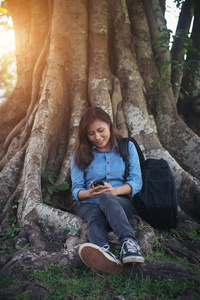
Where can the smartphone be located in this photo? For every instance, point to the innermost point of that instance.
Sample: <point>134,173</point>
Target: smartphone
<point>98,182</point>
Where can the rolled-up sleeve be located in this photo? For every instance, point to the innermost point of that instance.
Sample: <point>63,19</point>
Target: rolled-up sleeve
<point>134,178</point>
<point>78,180</point>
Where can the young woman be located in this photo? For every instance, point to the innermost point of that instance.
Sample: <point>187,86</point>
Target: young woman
<point>107,204</point>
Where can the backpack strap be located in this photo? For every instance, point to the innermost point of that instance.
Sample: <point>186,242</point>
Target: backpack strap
<point>139,151</point>
<point>123,149</point>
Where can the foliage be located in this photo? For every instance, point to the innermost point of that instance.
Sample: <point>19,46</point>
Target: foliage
<point>8,75</point>
<point>64,283</point>
<point>11,250</point>
<point>7,281</point>
<point>8,67</point>
<point>193,234</point>
<point>61,282</point>
<point>179,3</point>
<point>87,284</point>
<point>50,188</point>
<point>3,8</point>
<point>11,231</point>
<point>3,11</point>
<point>191,65</point>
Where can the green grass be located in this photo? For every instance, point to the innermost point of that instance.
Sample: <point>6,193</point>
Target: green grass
<point>85,284</point>
<point>64,283</point>
<point>193,234</point>
<point>8,281</point>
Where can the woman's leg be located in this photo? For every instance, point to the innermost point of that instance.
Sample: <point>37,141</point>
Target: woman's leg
<point>96,254</point>
<point>117,209</point>
<point>97,233</point>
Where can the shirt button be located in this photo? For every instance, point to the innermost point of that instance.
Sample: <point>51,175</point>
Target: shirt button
<point>107,162</point>
<point>108,173</point>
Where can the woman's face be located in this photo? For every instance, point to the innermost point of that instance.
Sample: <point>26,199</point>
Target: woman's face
<point>98,133</point>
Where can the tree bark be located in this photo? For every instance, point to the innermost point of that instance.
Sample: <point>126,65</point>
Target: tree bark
<point>189,104</point>
<point>178,49</point>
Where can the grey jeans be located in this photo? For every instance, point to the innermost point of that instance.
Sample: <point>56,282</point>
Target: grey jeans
<point>113,211</point>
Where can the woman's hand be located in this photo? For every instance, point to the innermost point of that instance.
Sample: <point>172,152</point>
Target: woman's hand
<point>119,190</point>
<point>95,192</point>
<point>98,190</point>
<point>110,189</point>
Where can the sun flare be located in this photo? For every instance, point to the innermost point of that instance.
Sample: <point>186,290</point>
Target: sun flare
<point>7,58</point>
<point>7,40</point>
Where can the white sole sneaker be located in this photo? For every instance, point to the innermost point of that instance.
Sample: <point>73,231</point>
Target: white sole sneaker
<point>133,259</point>
<point>94,257</point>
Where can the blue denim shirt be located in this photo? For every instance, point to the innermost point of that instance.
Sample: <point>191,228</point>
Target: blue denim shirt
<point>109,167</point>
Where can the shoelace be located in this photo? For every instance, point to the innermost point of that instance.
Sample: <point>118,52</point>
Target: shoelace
<point>106,249</point>
<point>131,246</point>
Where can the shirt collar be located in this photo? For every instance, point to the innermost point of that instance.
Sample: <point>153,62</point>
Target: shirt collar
<point>95,148</point>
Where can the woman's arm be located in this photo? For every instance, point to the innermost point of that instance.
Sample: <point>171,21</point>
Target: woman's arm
<point>84,194</point>
<point>119,190</point>
<point>78,182</point>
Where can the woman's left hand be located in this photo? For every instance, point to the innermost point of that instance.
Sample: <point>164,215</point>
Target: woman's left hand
<point>118,190</point>
<point>110,189</point>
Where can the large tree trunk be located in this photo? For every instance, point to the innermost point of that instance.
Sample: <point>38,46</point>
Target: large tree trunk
<point>189,104</point>
<point>178,49</point>
<point>70,55</point>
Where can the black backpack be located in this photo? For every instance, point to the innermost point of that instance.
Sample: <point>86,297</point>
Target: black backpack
<point>157,202</point>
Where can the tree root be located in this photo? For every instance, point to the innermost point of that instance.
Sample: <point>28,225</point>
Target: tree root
<point>34,289</point>
<point>37,72</point>
<point>180,252</point>
<point>164,269</point>
<point>29,259</point>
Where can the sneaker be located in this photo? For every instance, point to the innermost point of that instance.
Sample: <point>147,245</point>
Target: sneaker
<point>100,258</point>
<point>130,252</point>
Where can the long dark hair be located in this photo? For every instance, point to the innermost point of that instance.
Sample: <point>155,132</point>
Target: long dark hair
<point>83,149</point>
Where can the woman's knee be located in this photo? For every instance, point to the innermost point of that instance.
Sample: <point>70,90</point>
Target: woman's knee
<point>97,218</point>
<point>106,199</point>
